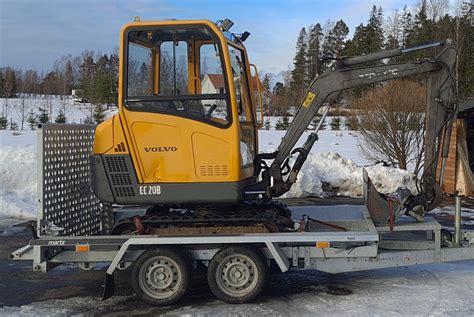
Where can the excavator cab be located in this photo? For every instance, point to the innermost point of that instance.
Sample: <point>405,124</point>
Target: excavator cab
<point>186,130</point>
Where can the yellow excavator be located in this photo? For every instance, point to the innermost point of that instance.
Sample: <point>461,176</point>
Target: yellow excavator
<point>185,140</point>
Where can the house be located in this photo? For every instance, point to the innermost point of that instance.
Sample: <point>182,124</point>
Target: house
<point>214,84</point>
<point>458,175</point>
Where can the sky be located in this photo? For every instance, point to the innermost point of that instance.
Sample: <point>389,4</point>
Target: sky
<point>35,33</point>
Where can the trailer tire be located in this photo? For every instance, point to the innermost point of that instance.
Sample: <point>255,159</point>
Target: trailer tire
<point>161,276</point>
<point>237,274</point>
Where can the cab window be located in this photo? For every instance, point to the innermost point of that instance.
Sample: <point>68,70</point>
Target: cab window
<point>176,71</point>
<point>246,118</point>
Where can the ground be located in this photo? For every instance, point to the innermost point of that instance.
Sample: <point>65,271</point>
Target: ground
<point>440,289</point>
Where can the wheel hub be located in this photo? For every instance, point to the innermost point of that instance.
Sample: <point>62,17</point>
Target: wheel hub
<point>160,277</point>
<point>237,275</point>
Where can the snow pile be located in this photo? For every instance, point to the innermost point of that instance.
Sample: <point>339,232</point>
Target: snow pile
<point>18,185</point>
<point>345,177</point>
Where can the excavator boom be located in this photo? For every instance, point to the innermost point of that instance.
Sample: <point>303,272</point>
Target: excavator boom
<point>349,73</point>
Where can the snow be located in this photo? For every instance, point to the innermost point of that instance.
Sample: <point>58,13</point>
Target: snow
<point>74,112</point>
<point>18,174</point>
<point>75,306</point>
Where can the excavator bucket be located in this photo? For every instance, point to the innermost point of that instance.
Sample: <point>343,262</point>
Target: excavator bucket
<point>381,207</point>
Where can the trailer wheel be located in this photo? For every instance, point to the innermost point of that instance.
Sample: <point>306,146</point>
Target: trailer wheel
<point>161,276</point>
<point>237,274</point>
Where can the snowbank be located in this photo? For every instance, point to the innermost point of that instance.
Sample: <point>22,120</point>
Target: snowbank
<point>18,181</point>
<point>345,177</point>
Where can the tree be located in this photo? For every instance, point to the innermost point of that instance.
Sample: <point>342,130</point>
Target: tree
<point>266,82</point>
<point>352,123</point>
<point>9,88</point>
<point>99,114</point>
<point>51,84</point>
<point>278,89</point>
<point>282,123</point>
<point>267,124</point>
<point>299,70</point>
<point>391,125</point>
<point>32,120</point>
<point>313,59</point>
<point>43,115</point>
<point>13,125</point>
<point>406,26</point>
<point>61,117</point>
<point>336,123</point>
<point>375,35</point>
<point>21,111</point>
<point>314,123</point>
<point>3,123</point>
<point>339,34</point>
<point>68,78</point>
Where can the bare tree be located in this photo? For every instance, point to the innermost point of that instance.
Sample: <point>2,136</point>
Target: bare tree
<point>392,124</point>
<point>437,8</point>
<point>22,111</point>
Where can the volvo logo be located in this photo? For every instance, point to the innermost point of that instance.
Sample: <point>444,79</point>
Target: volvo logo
<point>161,149</point>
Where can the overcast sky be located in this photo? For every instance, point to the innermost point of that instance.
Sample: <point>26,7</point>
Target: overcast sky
<point>34,33</point>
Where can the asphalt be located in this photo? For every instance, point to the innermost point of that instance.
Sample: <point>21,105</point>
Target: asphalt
<point>19,285</point>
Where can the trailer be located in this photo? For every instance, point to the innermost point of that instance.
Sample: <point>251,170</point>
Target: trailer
<point>73,226</point>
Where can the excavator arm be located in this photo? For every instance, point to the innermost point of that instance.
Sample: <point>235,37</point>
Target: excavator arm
<point>277,179</point>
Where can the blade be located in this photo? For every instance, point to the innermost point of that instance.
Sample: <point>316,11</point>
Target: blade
<point>377,204</point>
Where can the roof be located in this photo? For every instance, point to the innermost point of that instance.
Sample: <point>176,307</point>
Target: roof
<point>217,81</point>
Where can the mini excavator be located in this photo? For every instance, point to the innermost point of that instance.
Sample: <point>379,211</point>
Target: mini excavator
<point>185,140</point>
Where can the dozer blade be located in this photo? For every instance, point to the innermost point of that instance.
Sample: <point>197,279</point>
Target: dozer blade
<point>379,205</point>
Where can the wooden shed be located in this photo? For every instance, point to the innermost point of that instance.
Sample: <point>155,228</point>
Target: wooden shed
<point>460,162</point>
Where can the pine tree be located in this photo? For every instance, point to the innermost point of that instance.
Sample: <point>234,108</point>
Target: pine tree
<point>31,120</point>
<point>267,124</point>
<point>278,89</point>
<point>14,125</point>
<point>9,83</point>
<point>61,117</point>
<point>336,123</point>
<point>298,73</point>
<point>314,123</point>
<point>68,78</point>
<point>88,120</point>
<point>266,82</point>
<point>406,25</point>
<point>423,30</point>
<point>43,116</point>
<point>99,114</point>
<point>339,34</point>
<point>3,123</point>
<point>313,59</point>
<point>375,35</point>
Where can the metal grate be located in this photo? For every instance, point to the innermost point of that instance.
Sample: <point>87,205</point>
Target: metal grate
<point>116,164</point>
<point>119,176</point>
<point>66,198</point>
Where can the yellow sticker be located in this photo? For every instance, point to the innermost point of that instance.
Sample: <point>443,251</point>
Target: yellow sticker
<point>309,99</point>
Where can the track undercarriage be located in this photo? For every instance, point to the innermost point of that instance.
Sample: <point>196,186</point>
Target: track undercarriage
<point>247,217</point>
